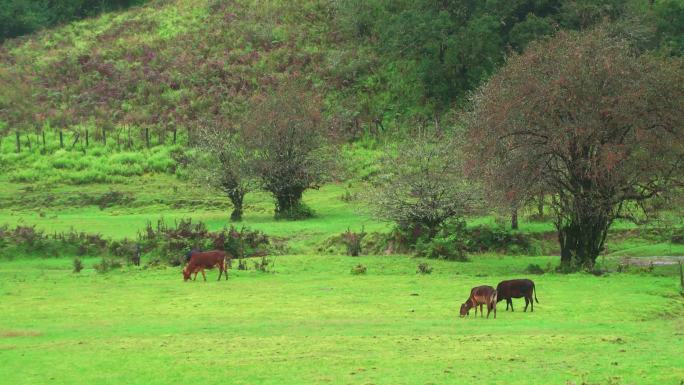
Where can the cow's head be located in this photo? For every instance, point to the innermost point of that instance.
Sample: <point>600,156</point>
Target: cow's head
<point>186,274</point>
<point>465,308</point>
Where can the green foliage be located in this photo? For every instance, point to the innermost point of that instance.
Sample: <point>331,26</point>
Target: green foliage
<point>449,243</point>
<point>359,269</point>
<point>353,242</point>
<point>107,264</point>
<point>534,268</point>
<point>669,20</point>
<point>488,239</point>
<point>424,268</point>
<point>20,17</point>
<point>78,265</point>
<point>27,240</point>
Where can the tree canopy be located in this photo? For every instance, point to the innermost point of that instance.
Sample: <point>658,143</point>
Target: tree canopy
<point>585,118</point>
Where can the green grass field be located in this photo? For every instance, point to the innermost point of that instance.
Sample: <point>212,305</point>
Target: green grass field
<point>312,322</point>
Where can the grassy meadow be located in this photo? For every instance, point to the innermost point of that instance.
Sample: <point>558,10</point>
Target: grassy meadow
<point>100,119</point>
<point>312,322</point>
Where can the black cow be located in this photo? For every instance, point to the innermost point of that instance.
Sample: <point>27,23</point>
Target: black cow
<point>516,288</point>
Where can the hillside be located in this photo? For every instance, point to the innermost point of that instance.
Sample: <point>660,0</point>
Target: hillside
<point>169,65</point>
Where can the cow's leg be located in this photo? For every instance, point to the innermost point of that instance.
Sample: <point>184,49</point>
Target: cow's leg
<point>527,302</point>
<point>506,304</point>
<point>195,279</point>
<point>220,269</point>
<point>489,310</point>
<point>481,312</point>
<point>531,303</point>
<point>509,300</point>
<point>204,275</point>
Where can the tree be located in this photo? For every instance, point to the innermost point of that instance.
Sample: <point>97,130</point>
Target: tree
<point>285,131</point>
<point>584,119</point>
<point>224,163</point>
<point>422,187</point>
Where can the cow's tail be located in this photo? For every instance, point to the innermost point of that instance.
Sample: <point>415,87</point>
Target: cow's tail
<point>492,300</point>
<point>534,289</point>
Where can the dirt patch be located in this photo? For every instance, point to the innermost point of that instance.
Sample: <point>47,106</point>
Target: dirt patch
<point>655,261</point>
<point>19,333</point>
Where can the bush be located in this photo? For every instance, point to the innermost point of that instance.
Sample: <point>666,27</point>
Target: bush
<point>483,239</point>
<point>353,242</point>
<point>448,244</point>
<point>296,212</point>
<point>264,265</point>
<point>359,269</point>
<point>78,265</point>
<point>106,265</point>
<point>424,268</point>
<point>534,269</point>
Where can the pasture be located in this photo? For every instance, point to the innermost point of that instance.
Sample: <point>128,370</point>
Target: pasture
<point>311,321</point>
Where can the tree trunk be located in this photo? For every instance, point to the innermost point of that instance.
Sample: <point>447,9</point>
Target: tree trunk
<point>540,205</point>
<point>236,199</point>
<point>175,130</point>
<point>87,142</point>
<point>61,139</point>
<point>514,219</point>
<point>289,205</point>
<point>582,241</point>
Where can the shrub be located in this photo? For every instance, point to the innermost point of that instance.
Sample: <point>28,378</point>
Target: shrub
<point>242,264</point>
<point>113,198</point>
<point>295,212</point>
<point>264,265</point>
<point>424,268</point>
<point>359,269</point>
<point>534,269</point>
<point>482,239</point>
<point>353,241</point>
<point>448,244</point>
<point>107,264</point>
<point>78,265</point>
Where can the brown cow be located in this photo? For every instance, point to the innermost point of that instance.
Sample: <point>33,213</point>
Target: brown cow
<point>481,295</point>
<point>517,288</point>
<point>200,260</point>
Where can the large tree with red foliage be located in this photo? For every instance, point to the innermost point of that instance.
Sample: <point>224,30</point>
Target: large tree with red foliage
<point>585,118</point>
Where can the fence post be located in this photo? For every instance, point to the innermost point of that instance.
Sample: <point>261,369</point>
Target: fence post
<point>18,141</point>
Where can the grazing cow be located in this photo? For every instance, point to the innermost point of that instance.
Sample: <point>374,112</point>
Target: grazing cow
<point>481,295</point>
<point>200,260</point>
<point>517,288</point>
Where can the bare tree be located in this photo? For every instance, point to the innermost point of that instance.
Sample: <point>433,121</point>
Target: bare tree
<point>422,186</point>
<point>224,162</point>
<point>585,119</point>
<point>286,132</point>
